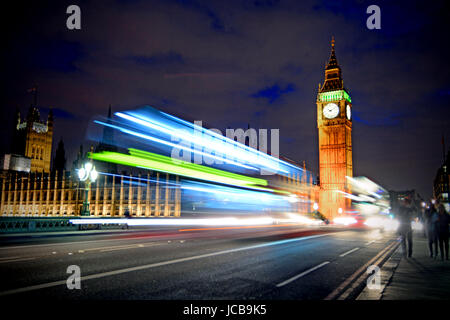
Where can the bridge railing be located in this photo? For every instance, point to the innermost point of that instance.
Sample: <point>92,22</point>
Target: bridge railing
<point>47,224</point>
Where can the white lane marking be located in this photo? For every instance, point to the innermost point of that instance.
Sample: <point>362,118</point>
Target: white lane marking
<point>125,246</point>
<point>158,264</point>
<point>77,242</point>
<point>130,247</point>
<point>9,258</point>
<point>370,242</point>
<point>68,243</point>
<point>101,249</point>
<point>17,260</point>
<point>304,273</point>
<point>348,252</point>
<point>37,287</point>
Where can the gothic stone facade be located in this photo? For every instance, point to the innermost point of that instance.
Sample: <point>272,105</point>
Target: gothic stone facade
<point>53,194</point>
<point>334,123</point>
<point>33,138</point>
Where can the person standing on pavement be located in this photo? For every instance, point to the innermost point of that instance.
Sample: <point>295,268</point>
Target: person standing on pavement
<point>127,216</point>
<point>430,223</point>
<point>422,218</point>
<point>443,222</point>
<point>405,216</point>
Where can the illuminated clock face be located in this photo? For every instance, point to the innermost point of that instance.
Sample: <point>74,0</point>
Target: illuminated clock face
<point>331,111</point>
<point>349,112</point>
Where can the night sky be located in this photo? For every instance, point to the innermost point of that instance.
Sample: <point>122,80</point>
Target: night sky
<point>235,63</point>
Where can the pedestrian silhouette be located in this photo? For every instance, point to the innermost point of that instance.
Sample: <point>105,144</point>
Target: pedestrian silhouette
<point>430,224</point>
<point>128,216</point>
<point>443,221</point>
<point>405,216</point>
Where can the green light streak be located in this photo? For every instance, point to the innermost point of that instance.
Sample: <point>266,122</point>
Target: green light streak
<point>152,161</point>
<point>334,96</point>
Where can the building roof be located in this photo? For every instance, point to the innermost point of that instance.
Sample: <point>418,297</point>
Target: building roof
<point>333,73</point>
<point>332,62</point>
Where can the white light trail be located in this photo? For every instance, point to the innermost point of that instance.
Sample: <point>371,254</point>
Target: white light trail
<point>176,222</point>
<point>220,144</point>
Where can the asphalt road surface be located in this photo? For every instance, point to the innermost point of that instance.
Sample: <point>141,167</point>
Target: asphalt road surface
<point>271,262</point>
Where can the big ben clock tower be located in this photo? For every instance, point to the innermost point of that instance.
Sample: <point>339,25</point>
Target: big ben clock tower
<point>334,122</point>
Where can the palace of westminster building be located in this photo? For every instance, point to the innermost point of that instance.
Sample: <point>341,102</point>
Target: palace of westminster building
<point>30,188</point>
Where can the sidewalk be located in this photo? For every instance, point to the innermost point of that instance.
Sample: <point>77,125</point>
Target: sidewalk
<point>417,278</point>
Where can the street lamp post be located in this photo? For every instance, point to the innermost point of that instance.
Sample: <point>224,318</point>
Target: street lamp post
<point>315,206</point>
<point>87,174</point>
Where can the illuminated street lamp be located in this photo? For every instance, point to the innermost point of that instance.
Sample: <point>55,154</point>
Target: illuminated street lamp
<point>340,210</point>
<point>315,206</point>
<point>87,174</point>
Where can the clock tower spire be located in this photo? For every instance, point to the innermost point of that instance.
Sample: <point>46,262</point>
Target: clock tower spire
<point>334,123</point>
<point>333,73</point>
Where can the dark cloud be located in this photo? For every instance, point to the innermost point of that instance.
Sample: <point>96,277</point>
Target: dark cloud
<point>274,92</point>
<point>159,59</point>
<point>58,113</point>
